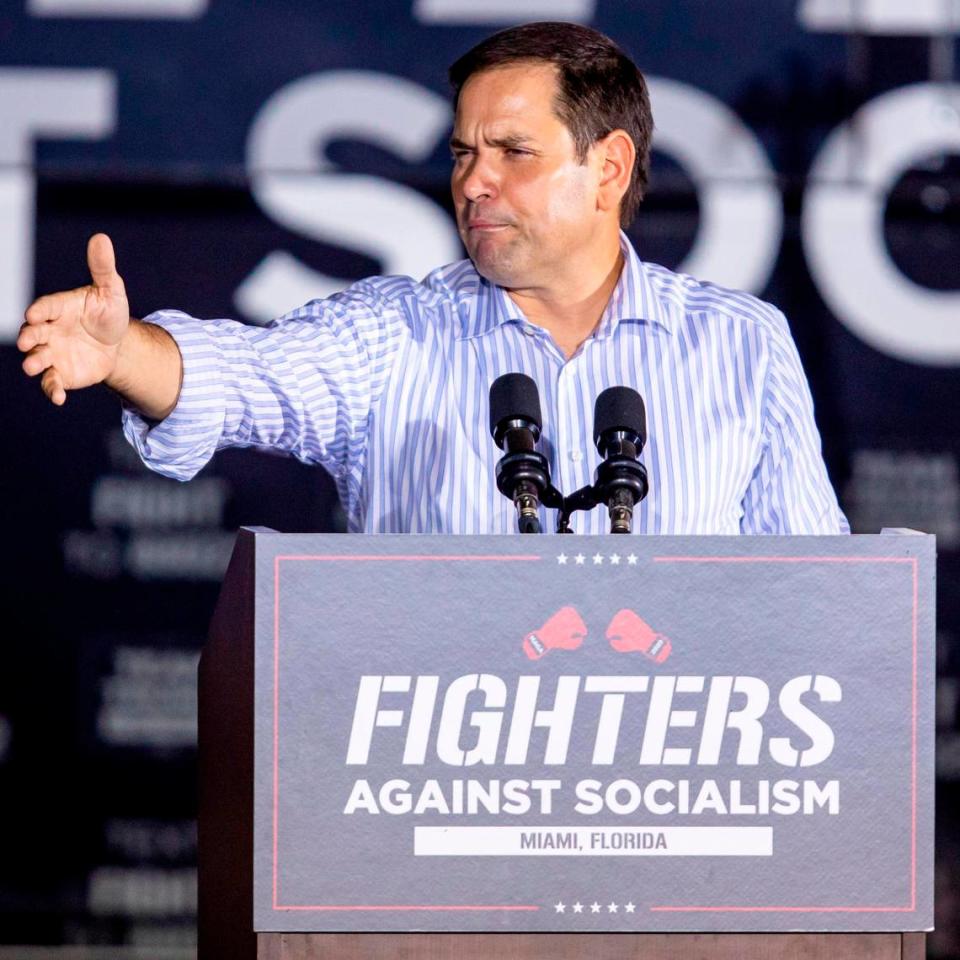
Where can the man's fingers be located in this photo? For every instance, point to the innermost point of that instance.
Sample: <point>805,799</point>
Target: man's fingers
<point>37,360</point>
<point>103,264</point>
<point>52,386</point>
<point>30,336</point>
<point>46,308</point>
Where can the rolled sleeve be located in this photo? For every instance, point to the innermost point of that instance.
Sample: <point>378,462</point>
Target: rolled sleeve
<point>182,443</point>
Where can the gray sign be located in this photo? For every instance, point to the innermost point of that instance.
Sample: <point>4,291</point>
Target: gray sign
<point>594,733</point>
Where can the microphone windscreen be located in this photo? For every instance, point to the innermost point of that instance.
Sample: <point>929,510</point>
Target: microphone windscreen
<point>620,408</point>
<point>514,396</point>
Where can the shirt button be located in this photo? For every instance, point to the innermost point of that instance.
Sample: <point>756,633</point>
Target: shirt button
<point>529,331</point>
<point>576,455</point>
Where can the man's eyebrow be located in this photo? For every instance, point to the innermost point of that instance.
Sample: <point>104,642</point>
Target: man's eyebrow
<point>512,140</point>
<point>508,141</point>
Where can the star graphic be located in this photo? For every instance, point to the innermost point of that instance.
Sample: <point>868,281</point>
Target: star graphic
<point>579,558</point>
<point>614,558</point>
<point>578,907</point>
<point>632,559</point>
<point>561,558</point>
<point>594,907</point>
<point>598,558</point>
<point>611,908</point>
<point>560,907</point>
<point>630,907</point>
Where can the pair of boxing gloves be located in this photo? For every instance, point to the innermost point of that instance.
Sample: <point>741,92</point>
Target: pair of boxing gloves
<point>626,633</point>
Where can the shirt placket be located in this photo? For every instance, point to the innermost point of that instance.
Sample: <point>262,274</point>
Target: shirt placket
<point>572,436</point>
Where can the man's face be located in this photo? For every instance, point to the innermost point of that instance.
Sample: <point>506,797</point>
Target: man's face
<point>526,207</point>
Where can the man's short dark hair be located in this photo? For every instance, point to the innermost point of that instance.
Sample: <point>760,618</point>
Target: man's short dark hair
<point>600,88</point>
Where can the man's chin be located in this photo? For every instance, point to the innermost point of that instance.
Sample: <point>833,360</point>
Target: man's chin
<point>497,266</point>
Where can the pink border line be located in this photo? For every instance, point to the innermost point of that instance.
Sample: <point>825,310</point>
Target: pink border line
<point>409,556</point>
<point>912,906</point>
<point>785,560</point>
<point>782,909</point>
<point>408,907</point>
<point>487,558</point>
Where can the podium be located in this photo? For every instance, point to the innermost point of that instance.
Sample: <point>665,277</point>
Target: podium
<point>560,747</point>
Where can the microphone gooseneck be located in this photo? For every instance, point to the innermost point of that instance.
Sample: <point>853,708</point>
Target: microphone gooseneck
<point>523,474</point>
<point>620,431</point>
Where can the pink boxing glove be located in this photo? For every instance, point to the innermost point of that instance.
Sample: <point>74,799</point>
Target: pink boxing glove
<point>565,630</point>
<point>627,633</point>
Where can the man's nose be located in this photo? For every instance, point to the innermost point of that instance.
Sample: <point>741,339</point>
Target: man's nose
<point>480,181</point>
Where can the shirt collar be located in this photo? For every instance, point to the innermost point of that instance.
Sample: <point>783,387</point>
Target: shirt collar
<point>634,299</point>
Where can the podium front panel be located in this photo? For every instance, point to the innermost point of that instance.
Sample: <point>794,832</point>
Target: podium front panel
<point>578,734</point>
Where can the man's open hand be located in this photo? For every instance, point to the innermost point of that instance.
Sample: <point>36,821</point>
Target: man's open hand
<point>73,338</point>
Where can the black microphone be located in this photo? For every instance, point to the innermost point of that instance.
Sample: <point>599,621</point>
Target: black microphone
<point>523,475</point>
<point>620,431</point>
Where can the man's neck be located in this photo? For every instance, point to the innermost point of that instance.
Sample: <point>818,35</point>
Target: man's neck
<point>571,310</point>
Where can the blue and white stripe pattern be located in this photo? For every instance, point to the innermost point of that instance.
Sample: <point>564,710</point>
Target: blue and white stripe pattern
<point>386,385</point>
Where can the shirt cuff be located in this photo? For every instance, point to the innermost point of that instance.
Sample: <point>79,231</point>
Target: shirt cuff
<point>181,444</point>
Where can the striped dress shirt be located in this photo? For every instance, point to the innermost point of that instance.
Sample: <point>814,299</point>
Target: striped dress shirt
<point>386,386</point>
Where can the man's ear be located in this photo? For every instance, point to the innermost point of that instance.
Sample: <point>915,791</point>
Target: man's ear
<point>616,155</point>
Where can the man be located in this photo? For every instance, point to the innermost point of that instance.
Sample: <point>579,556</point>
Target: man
<point>386,385</point>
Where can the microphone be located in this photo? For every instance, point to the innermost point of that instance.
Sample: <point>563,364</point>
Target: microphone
<point>523,474</point>
<point>620,431</point>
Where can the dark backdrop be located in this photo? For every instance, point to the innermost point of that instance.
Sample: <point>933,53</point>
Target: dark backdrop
<point>176,136</point>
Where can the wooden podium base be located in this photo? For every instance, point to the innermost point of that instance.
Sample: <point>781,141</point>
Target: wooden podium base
<point>591,946</point>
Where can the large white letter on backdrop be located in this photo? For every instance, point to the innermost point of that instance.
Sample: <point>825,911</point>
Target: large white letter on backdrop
<point>502,11</point>
<point>881,17</point>
<point>37,102</point>
<point>843,213</point>
<point>741,212</point>
<point>296,184</point>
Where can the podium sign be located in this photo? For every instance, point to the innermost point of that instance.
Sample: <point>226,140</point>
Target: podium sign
<point>578,734</point>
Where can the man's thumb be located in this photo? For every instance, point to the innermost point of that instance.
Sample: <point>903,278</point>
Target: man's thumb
<point>103,264</point>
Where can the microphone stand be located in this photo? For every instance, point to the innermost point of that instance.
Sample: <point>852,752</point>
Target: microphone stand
<point>524,476</point>
<point>620,482</point>
<point>583,499</point>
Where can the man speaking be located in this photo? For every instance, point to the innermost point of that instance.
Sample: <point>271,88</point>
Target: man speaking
<point>386,384</point>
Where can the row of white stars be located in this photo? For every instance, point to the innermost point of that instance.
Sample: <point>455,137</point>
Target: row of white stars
<point>595,907</point>
<point>598,558</point>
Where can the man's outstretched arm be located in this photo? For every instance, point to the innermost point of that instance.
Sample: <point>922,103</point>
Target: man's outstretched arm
<point>85,336</point>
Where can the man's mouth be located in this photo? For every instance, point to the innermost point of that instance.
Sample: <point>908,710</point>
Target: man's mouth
<point>486,226</point>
